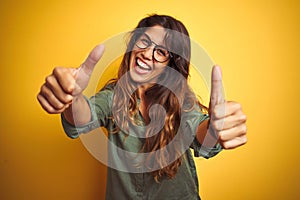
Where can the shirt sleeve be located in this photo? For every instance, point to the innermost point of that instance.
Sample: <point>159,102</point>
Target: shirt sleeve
<point>100,106</point>
<point>195,118</point>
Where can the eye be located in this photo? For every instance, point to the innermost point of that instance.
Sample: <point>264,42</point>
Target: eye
<point>145,42</point>
<point>162,52</point>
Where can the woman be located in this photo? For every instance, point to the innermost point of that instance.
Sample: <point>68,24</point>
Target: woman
<point>154,71</point>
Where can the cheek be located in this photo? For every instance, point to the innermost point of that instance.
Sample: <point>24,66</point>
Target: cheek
<point>133,54</point>
<point>159,69</point>
<point>132,59</point>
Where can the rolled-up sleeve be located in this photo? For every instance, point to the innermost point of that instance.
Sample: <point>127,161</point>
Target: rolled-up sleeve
<point>196,117</point>
<point>100,107</point>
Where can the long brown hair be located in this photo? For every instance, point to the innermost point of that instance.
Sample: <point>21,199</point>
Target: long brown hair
<point>180,49</point>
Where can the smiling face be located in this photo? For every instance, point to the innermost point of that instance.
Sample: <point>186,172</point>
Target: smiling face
<point>144,68</point>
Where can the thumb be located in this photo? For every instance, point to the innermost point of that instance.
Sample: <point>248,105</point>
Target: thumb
<point>216,96</point>
<point>84,72</point>
<point>88,65</point>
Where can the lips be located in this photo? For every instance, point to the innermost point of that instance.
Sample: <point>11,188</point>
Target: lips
<point>141,67</point>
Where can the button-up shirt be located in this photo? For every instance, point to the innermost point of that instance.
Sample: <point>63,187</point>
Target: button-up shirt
<point>126,185</point>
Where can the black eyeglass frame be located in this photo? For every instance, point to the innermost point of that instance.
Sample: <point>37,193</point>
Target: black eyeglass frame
<point>155,48</point>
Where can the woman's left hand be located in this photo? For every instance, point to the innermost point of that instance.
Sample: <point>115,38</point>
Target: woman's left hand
<point>227,120</point>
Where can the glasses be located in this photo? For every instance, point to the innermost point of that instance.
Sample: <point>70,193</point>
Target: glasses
<point>160,53</point>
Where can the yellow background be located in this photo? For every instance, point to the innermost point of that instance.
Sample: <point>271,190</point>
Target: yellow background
<point>255,42</point>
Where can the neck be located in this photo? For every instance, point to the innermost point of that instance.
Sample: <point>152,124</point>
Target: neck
<point>142,89</point>
<point>143,103</point>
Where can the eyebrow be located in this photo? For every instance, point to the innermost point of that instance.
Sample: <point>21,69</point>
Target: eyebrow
<point>154,42</point>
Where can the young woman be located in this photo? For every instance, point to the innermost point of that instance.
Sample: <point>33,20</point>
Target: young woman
<point>154,71</point>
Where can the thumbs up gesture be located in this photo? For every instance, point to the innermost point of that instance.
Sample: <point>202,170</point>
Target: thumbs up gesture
<point>65,84</point>
<point>227,120</point>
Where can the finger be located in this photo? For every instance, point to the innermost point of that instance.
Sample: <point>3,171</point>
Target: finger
<point>236,142</point>
<point>216,96</point>
<point>56,89</point>
<point>226,109</point>
<point>88,65</point>
<point>51,98</point>
<point>65,78</point>
<point>46,106</point>
<point>228,122</point>
<point>237,131</point>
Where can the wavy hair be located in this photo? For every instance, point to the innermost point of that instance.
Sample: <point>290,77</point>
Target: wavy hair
<point>180,49</point>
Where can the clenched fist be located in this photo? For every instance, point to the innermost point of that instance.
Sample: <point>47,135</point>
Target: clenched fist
<point>65,84</point>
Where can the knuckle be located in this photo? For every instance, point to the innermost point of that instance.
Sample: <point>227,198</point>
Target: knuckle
<point>69,88</point>
<point>243,118</point>
<point>222,136</point>
<point>68,85</point>
<point>63,100</point>
<point>49,79</point>
<point>67,99</point>
<point>244,140</point>
<point>238,106</point>
<point>50,110</point>
<point>57,70</point>
<point>215,112</point>
<point>59,106</point>
<point>244,129</point>
<point>225,145</point>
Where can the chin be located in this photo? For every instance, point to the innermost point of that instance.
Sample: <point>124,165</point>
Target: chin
<point>137,78</point>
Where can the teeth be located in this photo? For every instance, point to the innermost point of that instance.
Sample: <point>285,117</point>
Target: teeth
<point>143,65</point>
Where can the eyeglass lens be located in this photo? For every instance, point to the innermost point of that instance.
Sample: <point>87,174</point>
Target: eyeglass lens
<point>160,53</point>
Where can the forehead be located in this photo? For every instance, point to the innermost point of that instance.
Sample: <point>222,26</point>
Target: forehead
<point>156,34</point>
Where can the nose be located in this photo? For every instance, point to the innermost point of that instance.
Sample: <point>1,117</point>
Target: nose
<point>148,53</point>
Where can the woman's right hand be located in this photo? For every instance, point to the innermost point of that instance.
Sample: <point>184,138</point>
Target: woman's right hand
<point>65,84</point>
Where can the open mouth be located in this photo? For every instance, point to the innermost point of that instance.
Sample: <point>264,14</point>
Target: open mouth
<point>141,67</point>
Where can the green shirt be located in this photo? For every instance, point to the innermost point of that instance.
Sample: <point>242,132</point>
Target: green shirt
<point>135,186</point>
